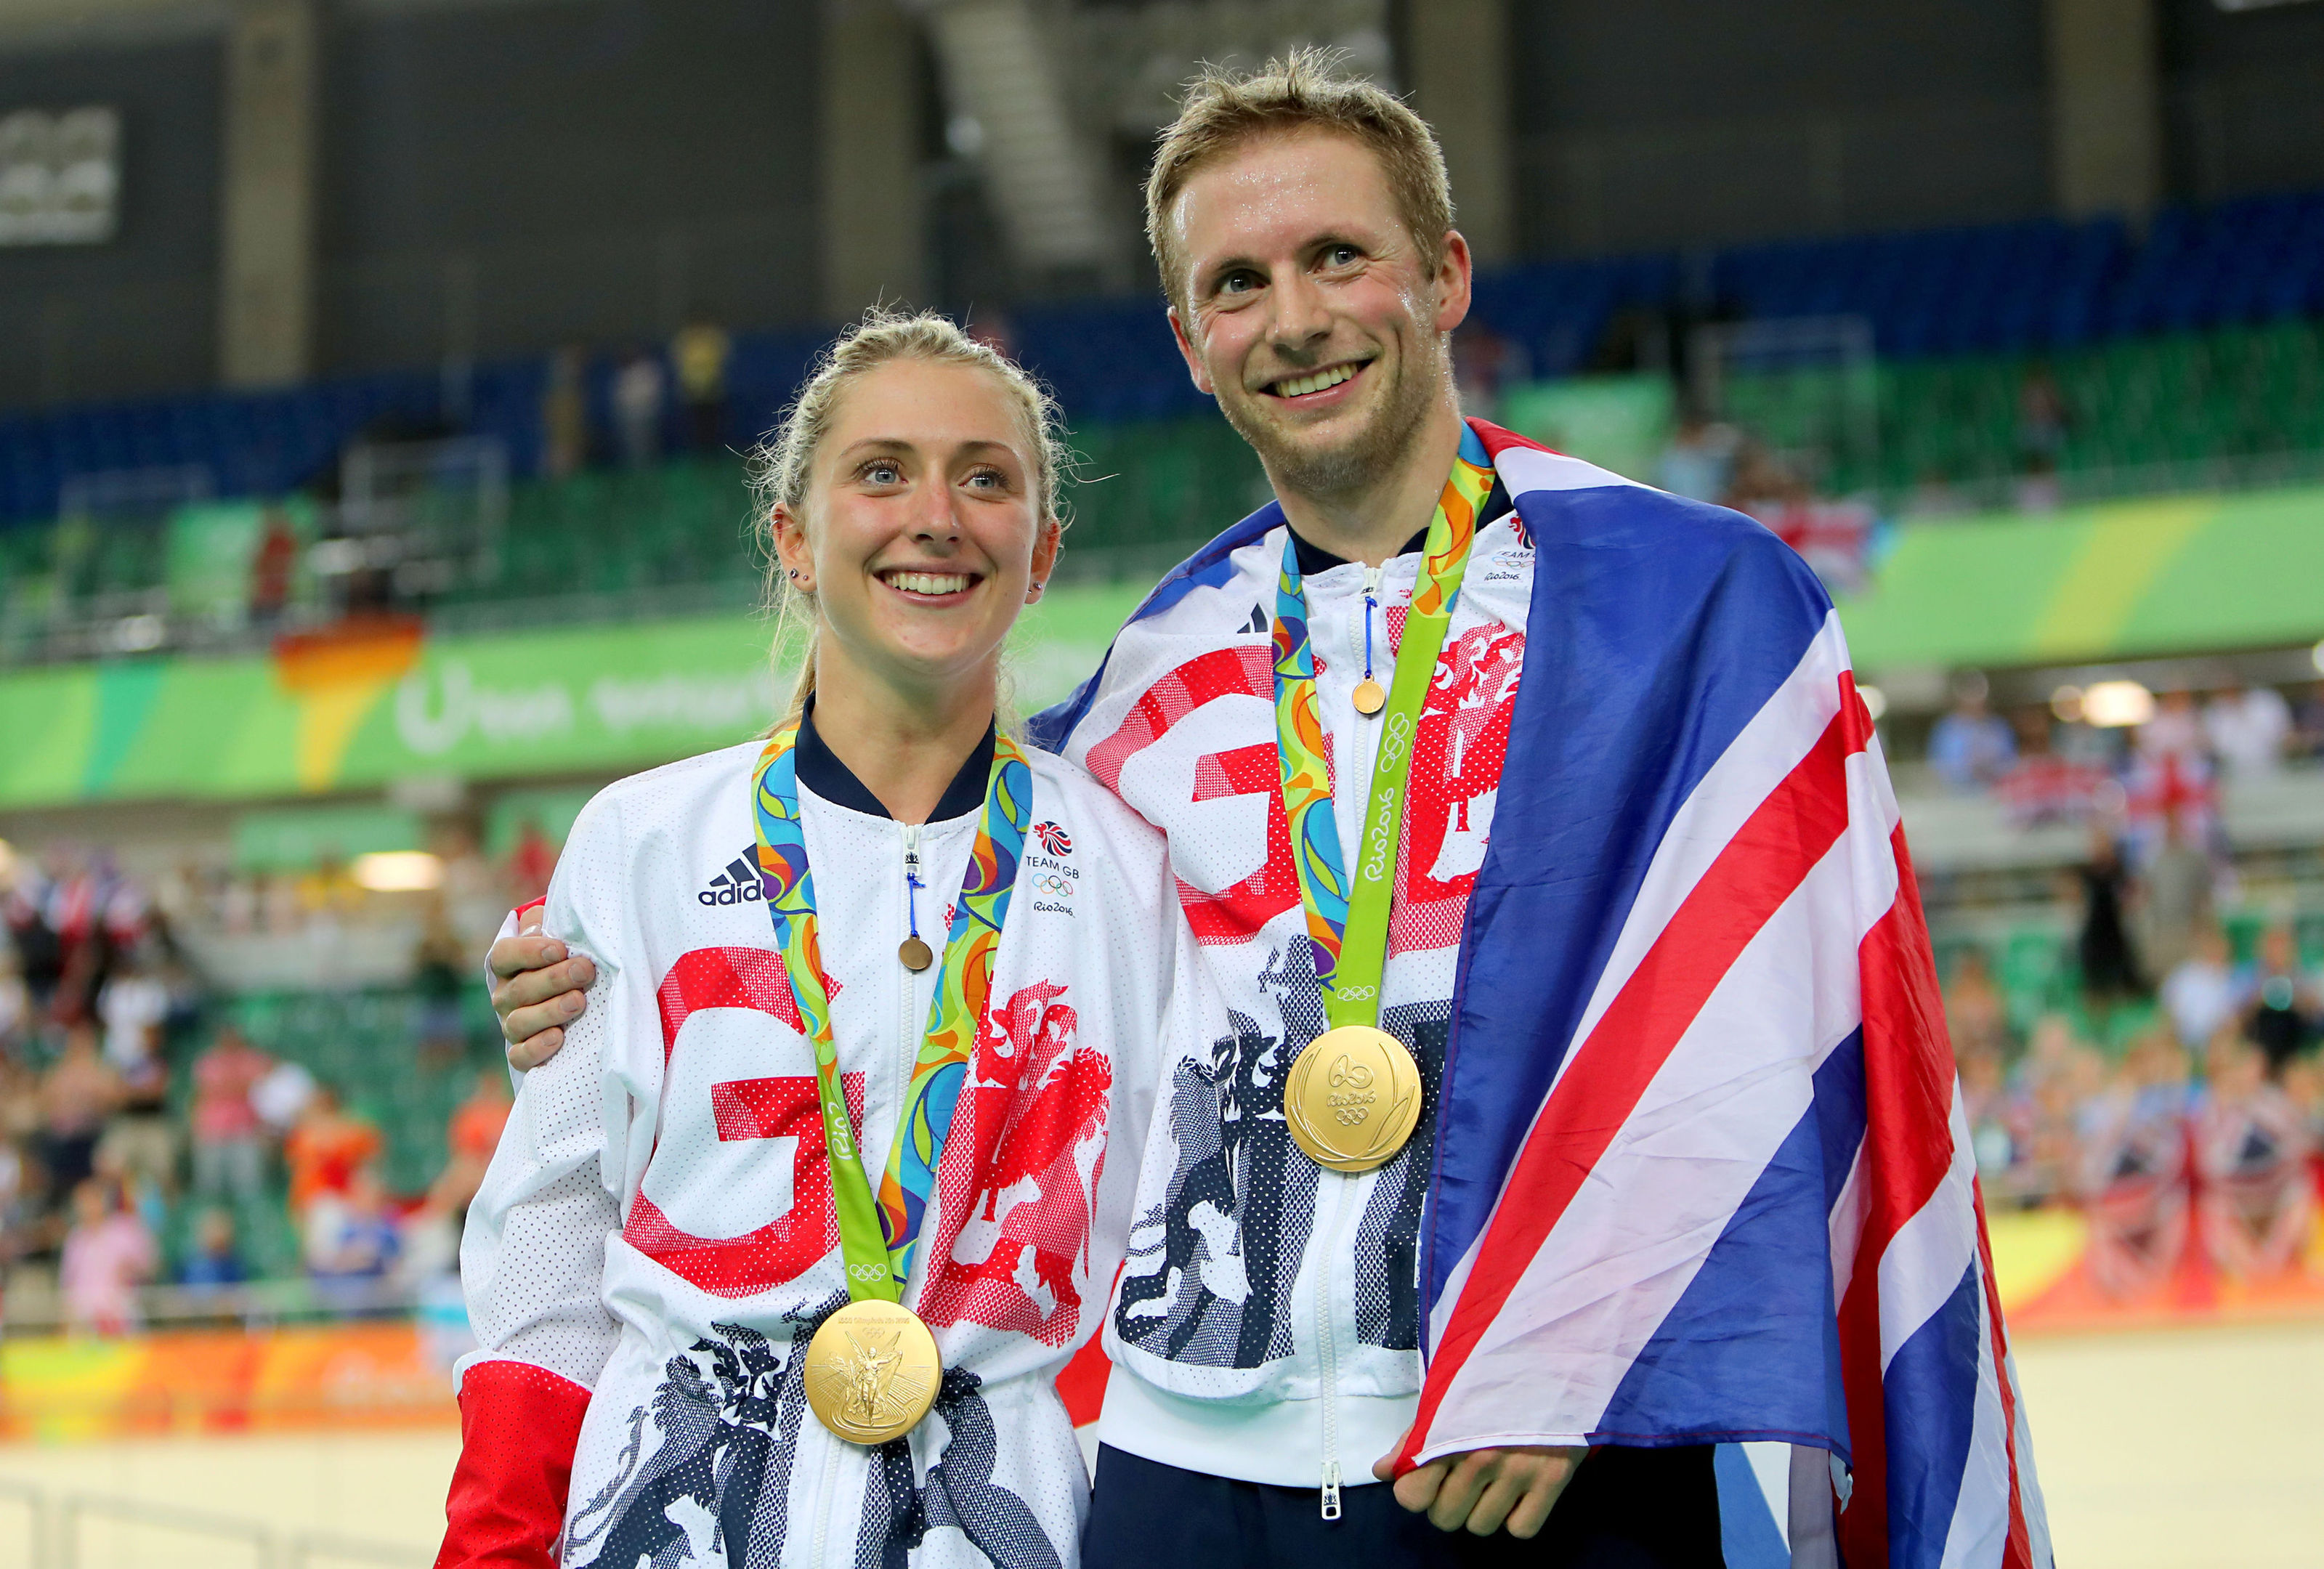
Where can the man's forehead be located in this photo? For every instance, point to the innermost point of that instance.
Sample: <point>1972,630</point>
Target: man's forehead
<point>1280,187</point>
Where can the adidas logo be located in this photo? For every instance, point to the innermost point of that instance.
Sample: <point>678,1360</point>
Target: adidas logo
<point>1260,621</point>
<point>737,884</point>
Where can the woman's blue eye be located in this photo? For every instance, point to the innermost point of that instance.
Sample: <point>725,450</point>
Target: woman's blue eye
<point>882,474</point>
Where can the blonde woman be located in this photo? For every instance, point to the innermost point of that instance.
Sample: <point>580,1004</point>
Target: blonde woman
<point>778,1260</point>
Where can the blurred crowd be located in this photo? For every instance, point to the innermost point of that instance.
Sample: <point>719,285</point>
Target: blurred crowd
<point>142,1138</point>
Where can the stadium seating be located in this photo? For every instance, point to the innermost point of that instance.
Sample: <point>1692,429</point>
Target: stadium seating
<point>2007,290</point>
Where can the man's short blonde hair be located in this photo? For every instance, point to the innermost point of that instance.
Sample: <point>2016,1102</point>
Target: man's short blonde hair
<point>1303,91</point>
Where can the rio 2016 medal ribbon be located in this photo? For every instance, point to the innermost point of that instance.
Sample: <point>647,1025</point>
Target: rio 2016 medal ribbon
<point>872,1369</point>
<point>1353,1095</point>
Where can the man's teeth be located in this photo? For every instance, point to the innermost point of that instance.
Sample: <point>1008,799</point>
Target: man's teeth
<point>1300,386</point>
<point>929,582</point>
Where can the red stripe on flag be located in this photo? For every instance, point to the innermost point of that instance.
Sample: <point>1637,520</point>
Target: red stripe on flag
<point>2017,1552</point>
<point>1908,1149</point>
<point>1761,867</point>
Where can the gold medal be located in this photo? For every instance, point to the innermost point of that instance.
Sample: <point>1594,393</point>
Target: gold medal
<point>1353,1098</point>
<point>916,954</point>
<point>872,1371</point>
<point>1370,696</point>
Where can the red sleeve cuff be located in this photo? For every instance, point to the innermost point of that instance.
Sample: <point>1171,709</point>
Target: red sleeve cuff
<point>519,1427</point>
<point>529,904</point>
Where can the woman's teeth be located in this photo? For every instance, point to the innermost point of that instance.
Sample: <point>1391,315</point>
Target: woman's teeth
<point>927,582</point>
<point>1300,386</point>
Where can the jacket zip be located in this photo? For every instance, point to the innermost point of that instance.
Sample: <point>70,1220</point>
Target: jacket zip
<point>907,1040</point>
<point>1327,1345</point>
<point>823,1498</point>
<point>1357,648</point>
<point>1327,1348</point>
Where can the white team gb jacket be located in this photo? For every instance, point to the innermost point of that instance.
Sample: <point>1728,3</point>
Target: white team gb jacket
<point>655,1241</point>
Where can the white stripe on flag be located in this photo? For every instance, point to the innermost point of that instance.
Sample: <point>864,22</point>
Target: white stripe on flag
<point>1528,469</point>
<point>1733,1088</point>
<point>1923,1264</point>
<point>1981,1522</point>
<point>1784,731</point>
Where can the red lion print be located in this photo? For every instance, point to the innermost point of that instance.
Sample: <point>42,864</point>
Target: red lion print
<point>1009,1253</point>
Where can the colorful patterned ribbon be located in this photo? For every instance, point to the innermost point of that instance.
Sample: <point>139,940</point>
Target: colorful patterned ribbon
<point>877,1235</point>
<point>1347,925</point>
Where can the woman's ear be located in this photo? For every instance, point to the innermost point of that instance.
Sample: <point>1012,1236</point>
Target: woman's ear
<point>1046,546</point>
<point>791,548</point>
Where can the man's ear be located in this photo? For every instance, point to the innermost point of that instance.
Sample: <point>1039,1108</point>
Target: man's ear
<point>1454,275</point>
<point>1186,351</point>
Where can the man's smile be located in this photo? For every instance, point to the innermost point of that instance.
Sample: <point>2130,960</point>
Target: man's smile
<point>1311,384</point>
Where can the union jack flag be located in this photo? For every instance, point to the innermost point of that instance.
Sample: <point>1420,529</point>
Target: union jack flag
<point>1701,1174</point>
<point>1704,1175</point>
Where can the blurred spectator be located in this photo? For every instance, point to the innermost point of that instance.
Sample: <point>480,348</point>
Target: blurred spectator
<point>1482,362</point>
<point>2175,731</point>
<point>351,1240</point>
<point>2285,1007</point>
<point>2110,971</point>
<point>439,972</point>
<point>564,416</point>
<point>474,1134</point>
<point>2200,991</point>
<point>700,352</point>
<point>107,1253</point>
<point>532,863</point>
<point>1972,747</point>
<point>78,1094</point>
<point>2175,901</point>
<point>1975,1009</point>
<point>640,393</point>
<point>2041,427</point>
<point>2133,1169</point>
<point>1700,459</point>
<point>282,1096</point>
<point>2307,739</point>
<point>229,1136</point>
<point>272,567</point>
<point>214,1263</point>
<point>2248,728</point>
<point>133,1005</point>
<point>2251,1147</point>
<point>139,1144</point>
<point>326,1148</point>
<point>15,1001</point>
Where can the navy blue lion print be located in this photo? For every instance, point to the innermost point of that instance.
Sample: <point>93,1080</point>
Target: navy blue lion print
<point>728,1436</point>
<point>959,1493</point>
<point>1212,1267</point>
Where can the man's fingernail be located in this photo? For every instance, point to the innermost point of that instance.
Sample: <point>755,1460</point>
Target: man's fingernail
<point>554,951</point>
<point>569,1006</point>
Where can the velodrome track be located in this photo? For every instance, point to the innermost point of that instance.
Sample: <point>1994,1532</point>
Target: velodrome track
<point>2177,1449</point>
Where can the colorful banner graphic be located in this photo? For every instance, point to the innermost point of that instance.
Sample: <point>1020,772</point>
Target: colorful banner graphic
<point>2125,579</point>
<point>359,708</point>
<point>56,1389</point>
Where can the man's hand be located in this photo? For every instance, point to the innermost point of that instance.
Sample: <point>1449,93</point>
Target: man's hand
<point>1484,1489</point>
<point>537,990</point>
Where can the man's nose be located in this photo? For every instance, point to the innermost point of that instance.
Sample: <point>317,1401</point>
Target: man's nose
<point>1301,316</point>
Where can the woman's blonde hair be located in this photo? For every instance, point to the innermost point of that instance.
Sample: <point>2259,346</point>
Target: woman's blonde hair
<point>779,466</point>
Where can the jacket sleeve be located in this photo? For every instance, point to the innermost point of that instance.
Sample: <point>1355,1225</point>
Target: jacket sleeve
<point>532,1257</point>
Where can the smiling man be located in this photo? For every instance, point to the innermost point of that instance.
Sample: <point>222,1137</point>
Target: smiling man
<point>1583,1022</point>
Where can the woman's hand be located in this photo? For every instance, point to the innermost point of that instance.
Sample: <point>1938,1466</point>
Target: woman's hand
<point>537,987</point>
<point>1486,1489</point>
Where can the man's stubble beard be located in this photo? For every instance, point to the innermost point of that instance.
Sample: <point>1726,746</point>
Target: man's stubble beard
<point>1365,459</point>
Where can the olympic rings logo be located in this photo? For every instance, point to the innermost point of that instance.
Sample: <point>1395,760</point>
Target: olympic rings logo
<point>1051,883</point>
<point>868,1272</point>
